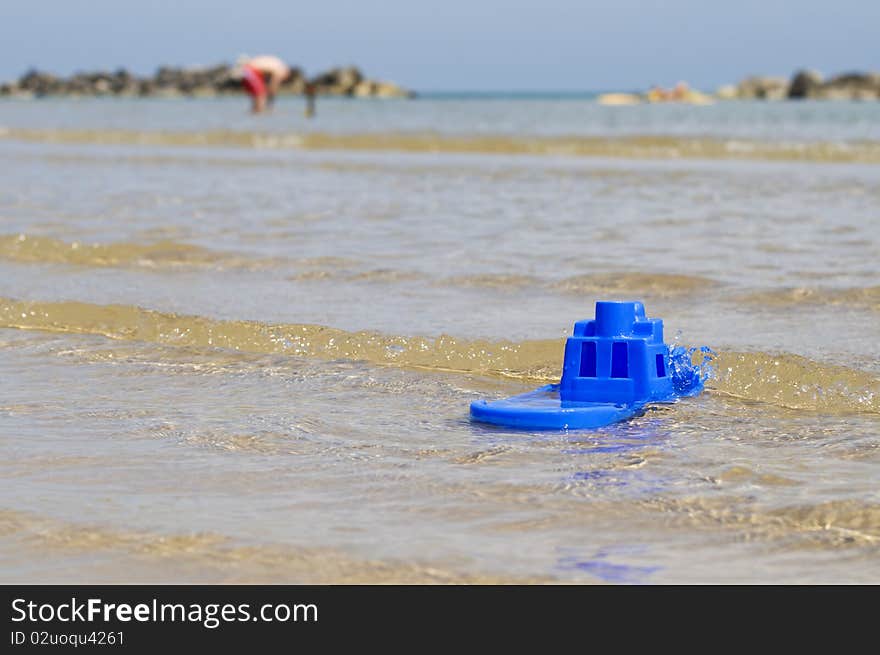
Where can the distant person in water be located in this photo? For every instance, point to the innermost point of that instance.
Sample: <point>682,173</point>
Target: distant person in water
<point>310,99</point>
<point>262,77</point>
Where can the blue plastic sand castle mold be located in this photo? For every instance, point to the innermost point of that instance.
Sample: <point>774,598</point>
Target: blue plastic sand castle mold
<point>613,365</point>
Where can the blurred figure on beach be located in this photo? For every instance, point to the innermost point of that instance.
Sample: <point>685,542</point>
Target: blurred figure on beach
<point>262,77</point>
<point>310,91</point>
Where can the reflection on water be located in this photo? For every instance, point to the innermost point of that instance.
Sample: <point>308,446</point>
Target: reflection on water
<point>254,361</point>
<point>602,565</point>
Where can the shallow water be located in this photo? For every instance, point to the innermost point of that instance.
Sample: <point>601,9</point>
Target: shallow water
<point>243,350</point>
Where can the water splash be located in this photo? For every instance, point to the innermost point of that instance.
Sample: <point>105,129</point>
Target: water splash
<point>690,368</point>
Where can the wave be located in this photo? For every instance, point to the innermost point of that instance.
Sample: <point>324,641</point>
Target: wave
<point>233,560</point>
<point>171,254</point>
<point>829,524</point>
<point>620,282</point>
<point>161,254</point>
<point>652,284</point>
<point>867,297</point>
<point>641,147</point>
<point>525,360</point>
<point>491,281</point>
<point>785,380</point>
<point>796,382</point>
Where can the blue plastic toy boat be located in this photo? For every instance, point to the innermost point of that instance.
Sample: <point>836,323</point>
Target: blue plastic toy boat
<point>613,366</point>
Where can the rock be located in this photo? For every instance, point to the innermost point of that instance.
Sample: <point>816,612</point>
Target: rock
<point>167,92</point>
<point>146,87</point>
<point>202,91</point>
<point>805,84</point>
<point>618,99</point>
<point>338,81</point>
<point>12,89</point>
<point>101,87</point>
<point>295,84</point>
<point>763,88</point>
<point>379,89</point>
<point>390,90</point>
<point>209,81</point>
<point>727,92</point>
<point>166,77</point>
<point>852,86</point>
<point>866,94</point>
<point>364,89</point>
<point>123,83</point>
<point>38,83</point>
<point>351,82</point>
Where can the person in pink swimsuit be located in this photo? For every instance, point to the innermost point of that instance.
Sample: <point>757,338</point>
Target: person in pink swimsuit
<point>262,77</point>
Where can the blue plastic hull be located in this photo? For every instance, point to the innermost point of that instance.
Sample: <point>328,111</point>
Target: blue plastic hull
<point>542,409</point>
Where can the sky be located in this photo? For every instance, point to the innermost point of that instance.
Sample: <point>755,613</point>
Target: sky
<point>467,45</point>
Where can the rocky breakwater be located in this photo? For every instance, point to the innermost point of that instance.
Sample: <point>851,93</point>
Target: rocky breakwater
<point>350,82</point>
<point>806,84</point>
<point>193,82</point>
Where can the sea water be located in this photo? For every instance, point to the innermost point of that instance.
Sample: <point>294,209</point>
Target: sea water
<point>242,349</point>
